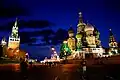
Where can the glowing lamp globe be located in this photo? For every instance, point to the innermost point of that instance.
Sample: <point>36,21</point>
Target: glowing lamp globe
<point>55,52</point>
<point>26,54</point>
<point>53,49</point>
<point>17,51</point>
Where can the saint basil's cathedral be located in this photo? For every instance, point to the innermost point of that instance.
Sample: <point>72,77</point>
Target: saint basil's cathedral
<point>86,40</point>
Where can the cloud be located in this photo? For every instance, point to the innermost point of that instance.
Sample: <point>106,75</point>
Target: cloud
<point>9,9</point>
<point>27,37</point>
<point>35,24</point>
<point>22,24</point>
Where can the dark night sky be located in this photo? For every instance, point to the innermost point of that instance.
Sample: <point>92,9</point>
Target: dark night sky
<point>104,14</point>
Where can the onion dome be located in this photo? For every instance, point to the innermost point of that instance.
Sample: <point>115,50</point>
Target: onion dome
<point>65,41</point>
<point>71,30</point>
<point>81,24</point>
<point>78,35</point>
<point>89,27</point>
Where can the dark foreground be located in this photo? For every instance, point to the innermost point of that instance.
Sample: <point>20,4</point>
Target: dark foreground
<point>62,71</point>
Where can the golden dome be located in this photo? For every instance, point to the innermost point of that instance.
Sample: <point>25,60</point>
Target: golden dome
<point>89,27</point>
<point>70,30</point>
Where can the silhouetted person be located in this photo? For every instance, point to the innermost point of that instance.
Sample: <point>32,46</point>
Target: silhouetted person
<point>30,64</point>
<point>50,64</point>
<point>23,68</point>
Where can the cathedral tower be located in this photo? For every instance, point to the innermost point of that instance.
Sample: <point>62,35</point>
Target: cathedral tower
<point>71,40</point>
<point>81,24</point>
<point>14,39</point>
<point>112,43</point>
<point>90,38</point>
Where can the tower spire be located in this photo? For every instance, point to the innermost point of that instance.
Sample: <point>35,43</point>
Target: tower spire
<point>112,38</point>
<point>15,29</point>
<point>14,37</point>
<point>16,22</point>
<point>111,34</point>
<point>80,17</point>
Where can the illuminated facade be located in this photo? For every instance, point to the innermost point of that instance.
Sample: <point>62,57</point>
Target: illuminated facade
<point>71,40</point>
<point>86,40</point>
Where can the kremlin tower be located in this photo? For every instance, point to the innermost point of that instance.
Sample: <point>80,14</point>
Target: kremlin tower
<point>14,43</point>
<point>3,42</point>
<point>11,48</point>
<point>14,39</point>
<point>4,47</point>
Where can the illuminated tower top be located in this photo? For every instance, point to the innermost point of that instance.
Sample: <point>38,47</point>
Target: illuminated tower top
<point>112,41</point>
<point>3,42</point>
<point>14,33</point>
<point>80,17</point>
<point>71,31</point>
<point>81,24</point>
<point>14,39</point>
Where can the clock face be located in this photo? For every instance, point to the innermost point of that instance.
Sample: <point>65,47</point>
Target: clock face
<point>14,31</point>
<point>14,34</point>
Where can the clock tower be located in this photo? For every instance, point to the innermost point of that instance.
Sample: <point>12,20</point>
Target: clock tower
<point>14,39</point>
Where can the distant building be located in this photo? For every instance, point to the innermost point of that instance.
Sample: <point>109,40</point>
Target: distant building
<point>4,46</point>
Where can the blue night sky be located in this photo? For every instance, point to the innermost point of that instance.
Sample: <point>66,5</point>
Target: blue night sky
<point>104,14</point>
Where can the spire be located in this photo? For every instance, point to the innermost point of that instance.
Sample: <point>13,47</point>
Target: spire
<point>111,34</point>
<point>15,29</point>
<point>112,39</point>
<point>80,17</point>
<point>16,22</point>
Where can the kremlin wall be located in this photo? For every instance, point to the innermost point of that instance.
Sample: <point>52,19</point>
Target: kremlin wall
<point>86,40</point>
